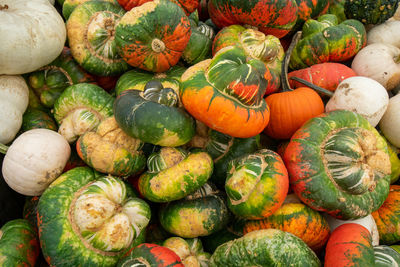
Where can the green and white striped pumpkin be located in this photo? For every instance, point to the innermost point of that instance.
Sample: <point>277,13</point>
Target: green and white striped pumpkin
<point>386,256</point>
<point>190,251</point>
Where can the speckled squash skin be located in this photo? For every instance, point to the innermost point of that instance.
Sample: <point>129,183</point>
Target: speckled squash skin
<point>86,219</point>
<point>153,36</point>
<point>338,163</point>
<point>188,6</point>
<point>19,245</point>
<point>386,256</point>
<point>370,12</point>
<point>35,118</point>
<point>309,9</point>
<point>190,251</point>
<point>349,245</point>
<point>91,36</point>
<point>256,44</point>
<point>173,174</point>
<point>268,247</point>
<point>69,5</point>
<point>325,40</point>
<point>225,93</point>
<point>256,184</point>
<point>387,217</point>
<point>276,17</point>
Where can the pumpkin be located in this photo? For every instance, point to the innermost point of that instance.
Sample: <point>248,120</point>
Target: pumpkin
<point>287,108</point>
<point>19,244</point>
<point>389,124</point>
<point>150,255</point>
<point>308,9</point>
<point>173,174</point>
<point>265,248</point>
<point>370,12</point>
<point>387,217</point>
<point>275,17</point>
<point>394,162</point>
<point>199,214</point>
<point>349,245</point>
<point>336,7</point>
<point>69,5</point>
<point>256,184</point>
<point>80,108</point>
<point>325,40</point>
<point>386,256</point>
<point>30,210</point>
<point>256,44</point>
<point>91,36</point>
<point>32,35</point>
<point>110,150</point>
<point>88,219</point>
<point>189,250</point>
<point>188,6</point>
<point>34,160</point>
<point>225,93</point>
<point>153,116</point>
<point>348,186</point>
<point>35,118</point>
<point>387,72</point>
<point>385,33</point>
<point>14,98</point>
<point>295,218</point>
<point>153,36</point>
<point>51,80</point>
<point>211,242</point>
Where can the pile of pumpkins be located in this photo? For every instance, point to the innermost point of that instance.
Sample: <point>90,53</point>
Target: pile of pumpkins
<point>200,132</point>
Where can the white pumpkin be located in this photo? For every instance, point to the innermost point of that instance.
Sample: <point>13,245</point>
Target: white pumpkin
<point>368,222</point>
<point>380,62</point>
<point>14,99</point>
<point>32,34</point>
<point>362,95</point>
<point>390,122</point>
<point>35,159</point>
<point>387,33</point>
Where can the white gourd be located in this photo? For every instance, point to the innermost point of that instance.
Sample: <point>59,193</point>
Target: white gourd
<point>390,122</point>
<point>387,33</point>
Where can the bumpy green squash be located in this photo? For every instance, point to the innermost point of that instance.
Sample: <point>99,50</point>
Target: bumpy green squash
<point>370,11</point>
<point>189,250</point>
<point>269,247</point>
<point>89,220</point>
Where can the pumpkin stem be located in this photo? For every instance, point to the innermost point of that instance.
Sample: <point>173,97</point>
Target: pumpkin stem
<point>157,45</point>
<point>3,148</point>
<point>3,7</point>
<point>313,86</point>
<point>285,65</point>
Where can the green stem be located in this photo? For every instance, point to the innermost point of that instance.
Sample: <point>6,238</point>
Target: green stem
<point>286,60</point>
<point>3,148</point>
<point>313,86</point>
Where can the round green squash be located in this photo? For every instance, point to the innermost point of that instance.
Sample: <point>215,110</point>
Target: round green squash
<point>269,247</point>
<point>86,219</point>
<point>19,245</point>
<point>338,163</point>
<point>152,116</point>
<point>370,12</point>
<point>35,118</point>
<point>386,256</point>
<point>173,174</point>
<point>69,5</point>
<point>190,251</point>
<point>91,36</point>
<point>200,214</point>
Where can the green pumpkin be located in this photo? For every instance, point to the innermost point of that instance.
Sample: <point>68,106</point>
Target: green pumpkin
<point>386,256</point>
<point>153,116</point>
<point>80,108</point>
<point>189,250</point>
<point>35,118</point>
<point>85,219</point>
<point>173,174</point>
<point>19,245</point>
<point>69,5</point>
<point>211,242</point>
<point>269,247</point>
<point>370,11</point>
<point>336,7</point>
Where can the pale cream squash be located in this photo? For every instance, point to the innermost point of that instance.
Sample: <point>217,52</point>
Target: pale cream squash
<point>390,122</point>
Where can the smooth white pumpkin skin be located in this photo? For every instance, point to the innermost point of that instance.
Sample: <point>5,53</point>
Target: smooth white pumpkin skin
<point>34,160</point>
<point>362,95</point>
<point>380,62</point>
<point>14,99</point>
<point>390,122</point>
<point>32,34</point>
<point>387,33</point>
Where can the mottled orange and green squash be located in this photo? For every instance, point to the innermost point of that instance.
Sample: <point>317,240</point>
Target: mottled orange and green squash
<point>336,7</point>
<point>69,5</point>
<point>226,93</point>
<point>188,6</point>
<point>338,163</point>
<point>387,217</point>
<point>36,118</point>
<point>256,184</point>
<point>276,17</point>
<point>30,210</point>
<point>153,36</point>
<point>349,245</point>
<point>309,9</point>
<point>256,44</point>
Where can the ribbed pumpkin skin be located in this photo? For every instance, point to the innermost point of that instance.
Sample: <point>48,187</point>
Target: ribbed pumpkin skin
<point>298,219</point>
<point>327,75</point>
<point>324,40</point>
<point>266,48</point>
<point>150,255</point>
<point>276,17</point>
<point>19,245</point>
<point>386,256</point>
<point>190,250</point>
<point>349,245</point>
<point>153,36</point>
<point>256,184</point>
<point>187,5</point>
<point>269,247</point>
<point>387,217</point>
<point>225,93</point>
<point>336,184</point>
<point>370,12</point>
<point>90,31</point>
<point>35,118</point>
